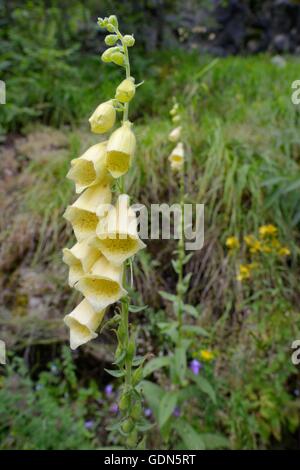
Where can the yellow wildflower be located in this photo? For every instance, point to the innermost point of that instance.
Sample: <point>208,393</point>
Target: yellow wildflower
<point>266,230</point>
<point>284,251</point>
<point>244,272</point>
<point>206,355</point>
<point>232,243</point>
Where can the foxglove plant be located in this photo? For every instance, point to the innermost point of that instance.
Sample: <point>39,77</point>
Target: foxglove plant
<point>184,382</point>
<point>107,236</point>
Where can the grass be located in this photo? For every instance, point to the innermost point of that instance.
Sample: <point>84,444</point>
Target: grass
<point>242,130</point>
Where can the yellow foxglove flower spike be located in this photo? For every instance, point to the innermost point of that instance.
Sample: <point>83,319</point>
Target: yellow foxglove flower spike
<point>83,321</point>
<point>174,135</point>
<point>103,118</point>
<point>120,150</point>
<point>117,236</point>
<point>80,258</point>
<point>90,168</point>
<point>103,285</point>
<point>126,90</point>
<point>82,214</point>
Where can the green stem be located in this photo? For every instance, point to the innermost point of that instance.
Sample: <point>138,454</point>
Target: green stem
<point>181,255</point>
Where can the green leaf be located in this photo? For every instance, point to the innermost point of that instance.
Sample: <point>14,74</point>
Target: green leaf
<point>115,373</point>
<point>136,308</point>
<point>191,310</point>
<point>175,265</point>
<point>138,360</point>
<point>180,363</point>
<point>204,386</point>
<point>156,363</point>
<point>153,394</point>
<point>198,330</point>
<point>166,407</point>
<point>167,296</point>
<point>120,358</point>
<point>187,258</point>
<point>215,441</point>
<point>191,438</point>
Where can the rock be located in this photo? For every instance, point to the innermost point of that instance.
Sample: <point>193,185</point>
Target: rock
<point>281,43</point>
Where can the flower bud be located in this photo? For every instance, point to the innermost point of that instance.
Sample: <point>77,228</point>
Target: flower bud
<point>136,410</point>
<point>125,401</point>
<point>112,19</point>
<point>111,39</point>
<point>174,135</point>
<point>107,55</point>
<point>131,441</point>
<point>128,40</point>
<point>110,28</point>
<point>126,90</point>
<point>176,118</point>
<point>127,425</point>
<point>117,58</point>
<point>103,118</point>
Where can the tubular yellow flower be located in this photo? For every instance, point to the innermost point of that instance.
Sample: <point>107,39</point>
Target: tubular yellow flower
<point>80,258</point>
<point>103,285</point>
<point>90,168</point>
<point>232,243</point>
<point>120,150</point>
<point>266,230</point>
<point>117,236</point>
<point>126,90</point>
<point>177,155</point>
<point>83,321</point>
<point>174,135</point>
<point>103,118</point>
<point>82,214</point>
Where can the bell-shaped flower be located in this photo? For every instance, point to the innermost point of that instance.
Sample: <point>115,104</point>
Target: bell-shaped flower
<point>126,90</point>
<point>117,236</point>
<point>120,150</point>
<point>80,258</point>
<point>83,322</point>
<point>103,118</point>
<point>174,135</point>
<point>90,168</point>
<point>177,154</point>
<point>103,285</point>
<point>177,166</point>
<point>82,214</point>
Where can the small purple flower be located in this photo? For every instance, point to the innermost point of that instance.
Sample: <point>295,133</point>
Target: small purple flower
<point>195,366</point>
<point>108,390</point>
<point>176,412</point>
<point>89,424</point>
<point>114,408</point>
<point>148,412</point>
<point>296,392</point>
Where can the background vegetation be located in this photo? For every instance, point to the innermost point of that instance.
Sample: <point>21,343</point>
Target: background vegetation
<point>244,165</point>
